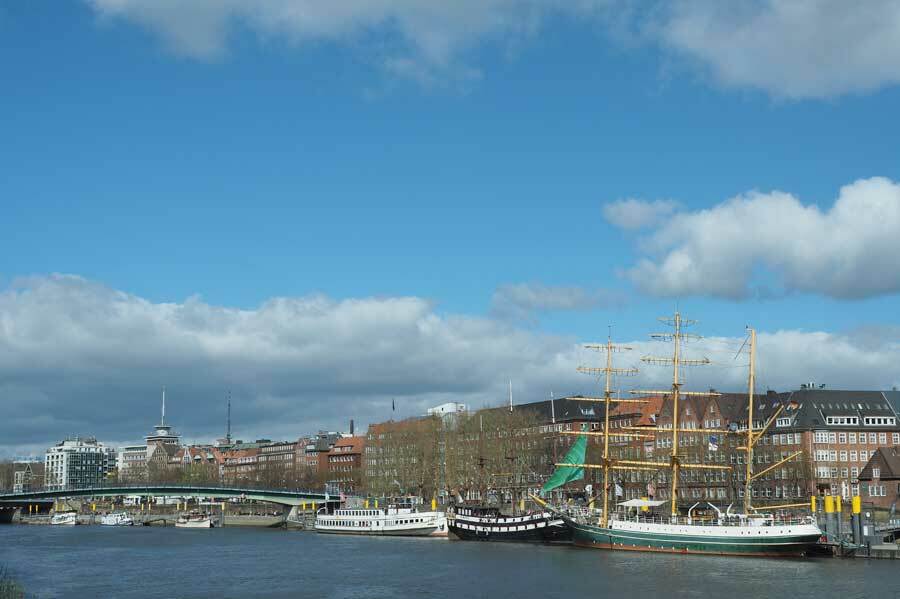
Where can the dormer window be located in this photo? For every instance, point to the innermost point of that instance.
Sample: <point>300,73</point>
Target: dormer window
<point>783,422</point>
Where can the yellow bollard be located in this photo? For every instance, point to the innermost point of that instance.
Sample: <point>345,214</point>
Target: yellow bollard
<point>303,505</point>
<point>857,504</point>
<point>376,504</point>
<point>645,508</point>
<point>829,504</point>
<point>366,504</point>
<point>812,503</point>
<point>434,504</point>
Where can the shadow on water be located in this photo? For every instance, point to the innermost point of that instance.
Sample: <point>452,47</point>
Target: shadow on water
<point>94,561</point>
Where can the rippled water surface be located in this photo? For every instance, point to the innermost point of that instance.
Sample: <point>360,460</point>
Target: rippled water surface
<point>94,561</point>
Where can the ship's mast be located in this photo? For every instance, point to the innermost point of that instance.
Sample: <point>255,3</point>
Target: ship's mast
<point>753,436</point>
<point>678,336</point>
<point>751,383</point>
<point>607,399</point>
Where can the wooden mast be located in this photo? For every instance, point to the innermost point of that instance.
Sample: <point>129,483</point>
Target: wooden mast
<point>677,336</point>
<point>609,348</point>
<point>751,383</point>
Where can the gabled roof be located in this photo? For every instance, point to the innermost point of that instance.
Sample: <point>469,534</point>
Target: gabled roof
<point>886,458</point>
<point>356,445</point>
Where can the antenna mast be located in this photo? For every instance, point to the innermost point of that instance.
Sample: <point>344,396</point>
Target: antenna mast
<point>162,420</point>
<point>228,421</point>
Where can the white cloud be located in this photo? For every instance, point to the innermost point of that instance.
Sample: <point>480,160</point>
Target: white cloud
<point>430,36</point>
<point>522,300</point>
<point>77,357</point>
<point>790,48</point>
<point>847,251</point>
<point>633,213</point>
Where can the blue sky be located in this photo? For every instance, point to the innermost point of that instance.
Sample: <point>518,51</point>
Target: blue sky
<point>306,158</point>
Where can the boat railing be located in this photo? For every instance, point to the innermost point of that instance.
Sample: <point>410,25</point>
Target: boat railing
<point>724,522</point>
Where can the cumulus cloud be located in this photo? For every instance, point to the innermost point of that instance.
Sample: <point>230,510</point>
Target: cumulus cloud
<point>848,251</point>
<point>77,357</point>
<point>522,300</point>
<point>633,213</point>
<point>789,48</point>
<point>430,36</point>
<point>793,49</point>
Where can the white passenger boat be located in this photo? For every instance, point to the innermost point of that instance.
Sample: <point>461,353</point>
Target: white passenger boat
<point>117,519</point>
<point>194,520</point>
<point>390,521</point>
<point>64,519</point>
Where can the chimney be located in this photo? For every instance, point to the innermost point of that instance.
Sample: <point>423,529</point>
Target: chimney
<point>351,427</point>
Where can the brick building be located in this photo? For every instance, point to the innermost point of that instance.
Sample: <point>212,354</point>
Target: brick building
<point>879,480</point>
<point>837,431</point>
<point>345,465</point>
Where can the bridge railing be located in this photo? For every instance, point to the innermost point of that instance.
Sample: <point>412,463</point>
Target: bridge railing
<point>138,488</point>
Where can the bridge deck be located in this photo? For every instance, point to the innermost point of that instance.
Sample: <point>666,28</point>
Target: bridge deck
<point>281,496</point>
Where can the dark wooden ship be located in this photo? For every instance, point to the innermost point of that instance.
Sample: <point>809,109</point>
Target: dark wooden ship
<point>483,523</point>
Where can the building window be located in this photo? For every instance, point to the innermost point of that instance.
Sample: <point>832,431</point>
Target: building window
<point>842,437</point>
<point>895,438</point>
<point>851,437</point>
<point>822,437</point>
<point>873,439</point>
<point>854,457</point>
<point>882,438</point>
<point>843,456</point>
<point>783,422</point>
<point>876,472</point>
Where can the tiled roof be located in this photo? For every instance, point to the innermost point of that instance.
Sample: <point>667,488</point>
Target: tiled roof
<point>886,458</point>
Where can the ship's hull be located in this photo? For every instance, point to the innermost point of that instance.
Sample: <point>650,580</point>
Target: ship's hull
<point>747,542</point>
<point>533,528</point>
<point>552,534</point>
<point>406,532</point>
<point>206,523</point>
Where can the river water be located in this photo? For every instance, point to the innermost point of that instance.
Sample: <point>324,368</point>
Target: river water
<point>107,562</point>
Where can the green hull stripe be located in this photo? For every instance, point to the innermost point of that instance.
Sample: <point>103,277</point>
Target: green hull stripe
<point>593,535</point>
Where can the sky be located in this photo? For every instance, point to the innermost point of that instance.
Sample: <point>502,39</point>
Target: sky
<point>322,207</point>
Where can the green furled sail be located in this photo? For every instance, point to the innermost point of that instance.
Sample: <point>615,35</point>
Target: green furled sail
<point>565,474</point>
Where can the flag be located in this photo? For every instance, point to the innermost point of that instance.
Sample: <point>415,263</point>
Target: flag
<point>651,490</point>
<point>653,418</point>
<point>619,491</point>
<point>713,443</point>
<point>393,405</point>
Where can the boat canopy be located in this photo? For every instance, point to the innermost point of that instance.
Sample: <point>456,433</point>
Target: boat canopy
<point>642,503</point>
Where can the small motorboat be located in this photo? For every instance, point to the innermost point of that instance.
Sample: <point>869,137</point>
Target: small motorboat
<point>194,520</point>
<point>117,519</point>
<point>64,519</point>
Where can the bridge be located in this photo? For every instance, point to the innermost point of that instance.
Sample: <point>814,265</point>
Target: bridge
<point>9,502</point>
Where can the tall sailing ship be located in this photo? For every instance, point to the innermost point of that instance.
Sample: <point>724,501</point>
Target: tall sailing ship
<point>636,528</point>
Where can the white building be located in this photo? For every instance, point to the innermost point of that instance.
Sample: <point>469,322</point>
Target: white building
<point>78,463</point>
<point>132,462</point>
<point>447,408</point>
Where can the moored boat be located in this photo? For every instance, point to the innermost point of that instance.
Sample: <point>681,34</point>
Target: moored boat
<point>478,523</point>
<point>194,520</point>
<point>64,519</point>
<point>117,519</point>
<point>749,533</point>
<point>390,521</point>
<point>725,535</point>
